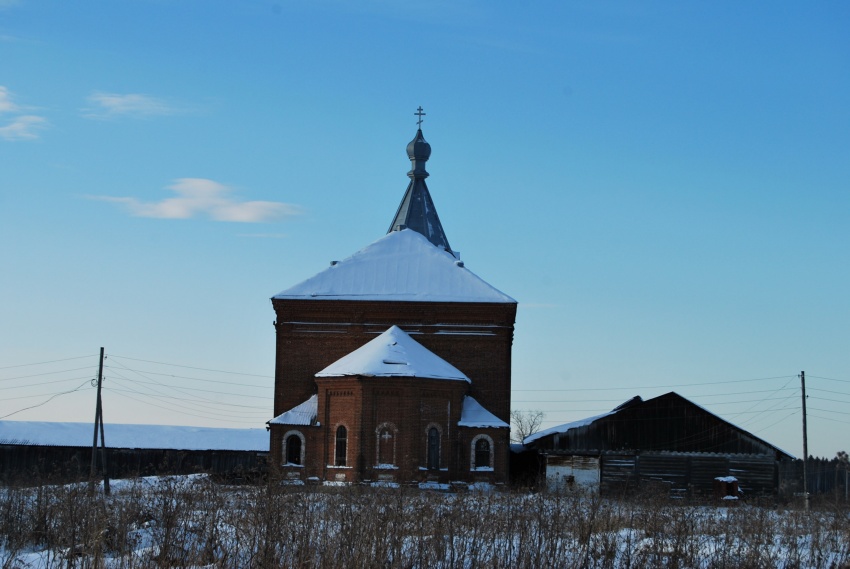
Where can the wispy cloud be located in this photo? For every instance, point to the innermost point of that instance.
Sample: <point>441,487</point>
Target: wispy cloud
<point>20,126</point>
<point>6,103</point>
<point>134,105</point>
<point>24,127</point>
<point>199,197</point>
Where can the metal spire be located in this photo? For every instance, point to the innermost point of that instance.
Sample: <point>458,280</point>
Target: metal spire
<point>417,211</point>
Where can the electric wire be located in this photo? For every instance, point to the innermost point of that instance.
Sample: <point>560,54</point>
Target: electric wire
<point>51,398</point>
<point>177,389</point>
<point>191,367</point>
<point>192,378</point>
<point>184,412</point>
<point>47,362</point>
<point>45,373</point>
<point>158,394</point>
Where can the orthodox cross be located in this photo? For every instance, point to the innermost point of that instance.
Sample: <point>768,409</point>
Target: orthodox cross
<point>419,114</point>
<point>386,435</point>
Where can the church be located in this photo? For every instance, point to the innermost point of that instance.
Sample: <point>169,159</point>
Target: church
<point>394,364</point>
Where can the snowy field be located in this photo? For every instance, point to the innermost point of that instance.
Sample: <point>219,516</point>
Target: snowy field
<point>192,522</point>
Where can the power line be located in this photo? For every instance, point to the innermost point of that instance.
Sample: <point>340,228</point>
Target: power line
<point>41,383</point>
<point>46,362</point>
<point>160,395</point>
<point>179,390</point>
<point>830,378</point>
<point>197,368</point>
<point>45,373</point>
<point>184,412</point>
<point>51,398</point>
<point>192,378</point>
<point>675,385</point>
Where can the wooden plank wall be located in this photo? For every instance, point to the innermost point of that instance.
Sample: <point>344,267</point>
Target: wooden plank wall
<point>27,463</point>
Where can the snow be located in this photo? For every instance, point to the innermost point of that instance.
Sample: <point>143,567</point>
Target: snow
<point>560,429</point>
<point>472,414</point>
<point>393,354</point>
<point>303,414</point>
<point>403,266</point>
<point>133,436</point>
<point>726,479</point>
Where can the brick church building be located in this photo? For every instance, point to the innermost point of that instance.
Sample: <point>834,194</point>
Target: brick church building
<point>394,364</point>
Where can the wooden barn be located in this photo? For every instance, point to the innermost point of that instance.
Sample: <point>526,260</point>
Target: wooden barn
<point>667,442</point>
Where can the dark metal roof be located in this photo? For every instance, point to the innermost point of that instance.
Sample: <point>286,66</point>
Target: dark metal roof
<point>417,211</point>
<point>668,422</point>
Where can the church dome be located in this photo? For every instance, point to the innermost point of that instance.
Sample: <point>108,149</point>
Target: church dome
<point>419,149</point>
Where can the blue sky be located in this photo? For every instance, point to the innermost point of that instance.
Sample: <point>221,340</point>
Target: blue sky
<point>663,186</point>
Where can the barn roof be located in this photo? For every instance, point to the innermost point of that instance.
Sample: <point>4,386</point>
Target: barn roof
<point>668,407</point>
<point>393,354</point>
<point>402,266</point>
<point>36,433</point>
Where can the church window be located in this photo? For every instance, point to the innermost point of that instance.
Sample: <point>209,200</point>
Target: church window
<point>386,444</point>
<point>433,448</point>
<point>482,453</point>
<point>293,448</point>
<point>341,446</point>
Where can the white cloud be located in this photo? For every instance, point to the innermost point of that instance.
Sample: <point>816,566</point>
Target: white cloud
<point>202,197</point>
<point>20,126</point>
<point>24,127</point>
<point>6,104</point>
<point>112,105</point>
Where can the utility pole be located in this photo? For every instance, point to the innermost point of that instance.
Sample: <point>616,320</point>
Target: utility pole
<point>98,423</point>
<point>805,444</point>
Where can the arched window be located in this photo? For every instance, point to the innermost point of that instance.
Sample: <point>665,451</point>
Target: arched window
<point>433,448</point>
<point>341,446</point>
<point>481,453</point>
<point>386,433</point>
<point>293,448</point>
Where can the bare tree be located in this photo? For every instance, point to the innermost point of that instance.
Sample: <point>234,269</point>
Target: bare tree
<point>525,423</point>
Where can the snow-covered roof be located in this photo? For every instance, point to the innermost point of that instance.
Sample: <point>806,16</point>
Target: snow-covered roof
<point>474,415</point>
<point>303,414</point>
<point>393,354</point>
<point>563,428</point>
<point>403,266</point>
<point>133,436</point>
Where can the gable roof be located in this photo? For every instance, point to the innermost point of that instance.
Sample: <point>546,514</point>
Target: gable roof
<point>302,414</point>
<point>401,266</point>
<point>393,354</point>
<point>656,408</point>
<point>473,414</point>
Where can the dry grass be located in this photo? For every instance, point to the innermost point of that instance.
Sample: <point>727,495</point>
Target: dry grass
<point>193,522</point>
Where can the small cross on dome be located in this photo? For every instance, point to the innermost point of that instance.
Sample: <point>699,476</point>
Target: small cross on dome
<point>419,114</point>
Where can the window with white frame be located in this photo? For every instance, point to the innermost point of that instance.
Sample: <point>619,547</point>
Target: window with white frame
<point>481,453</point>
<point>293,448</point>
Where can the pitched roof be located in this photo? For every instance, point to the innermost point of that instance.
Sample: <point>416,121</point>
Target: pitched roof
<point>302,414</point>
<point>401,266</point>
<point>473,414</point>
<point>393,354</point>
<point>641,405</point>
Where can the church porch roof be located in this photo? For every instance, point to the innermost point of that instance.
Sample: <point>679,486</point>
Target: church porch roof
<point>393,354</point>
<point>303,414</point>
